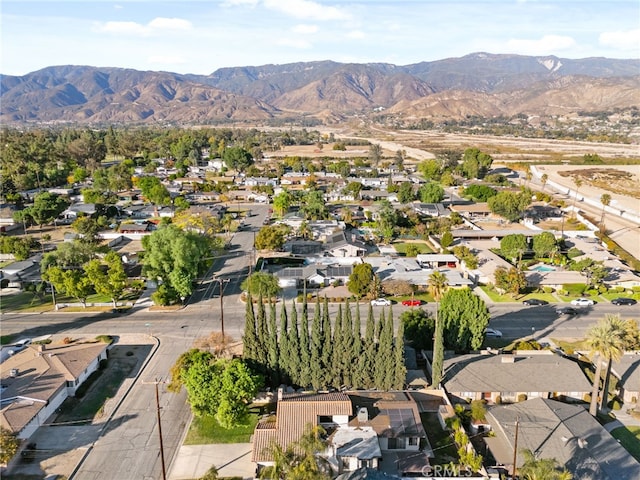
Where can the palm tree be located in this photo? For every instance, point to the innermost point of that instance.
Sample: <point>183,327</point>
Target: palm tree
<point>438,285</point>
<point>542,469</point>
<point>628,331</point>
<point>578,183</point>
<point>606,341</point>
<point>605,200</point>
<point>528,176</point>
<point>543,180</point>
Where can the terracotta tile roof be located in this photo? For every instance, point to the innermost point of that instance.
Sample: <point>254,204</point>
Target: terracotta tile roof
<point>294,413</point>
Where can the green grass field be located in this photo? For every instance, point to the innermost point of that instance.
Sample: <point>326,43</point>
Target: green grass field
<point>629,438</point>
<point>206,430</point>
<point>401,247</point>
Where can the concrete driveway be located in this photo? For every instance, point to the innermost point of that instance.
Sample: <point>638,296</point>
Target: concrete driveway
<point>231,460</point>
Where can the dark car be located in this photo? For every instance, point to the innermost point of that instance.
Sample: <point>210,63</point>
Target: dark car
<point>566,311</point>
<point>623,301</point>
<point>534,301</point>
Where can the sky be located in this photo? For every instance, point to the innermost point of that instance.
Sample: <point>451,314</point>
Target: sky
<point>200,36</point>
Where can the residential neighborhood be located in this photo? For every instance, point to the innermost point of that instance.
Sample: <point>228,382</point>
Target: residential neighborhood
<point>420,319</point>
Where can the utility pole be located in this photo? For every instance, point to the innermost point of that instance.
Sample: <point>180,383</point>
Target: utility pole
<point>221,282</point>
<point>164,468</point>
<point>515,449</point>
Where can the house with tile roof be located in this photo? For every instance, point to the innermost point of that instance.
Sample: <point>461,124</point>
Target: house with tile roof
<point>496,377</point>
<point>568,433</point>
<point>36,380</point>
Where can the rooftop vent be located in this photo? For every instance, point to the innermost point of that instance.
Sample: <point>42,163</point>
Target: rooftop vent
<point>363,415</point>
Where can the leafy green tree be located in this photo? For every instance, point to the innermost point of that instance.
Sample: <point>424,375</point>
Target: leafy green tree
<point>314,206</point>
<point>338,350</point>
<point>282,202</point>
<point>418,328</point>
<point>438,286</point>
<point>405,192</point>
<point>475,164</point>
<point>9,445</point>
<point>46,207</point>
<point>353,188</point>
<point>513,280</point>
<point>400,371</point>
<point>20,247</point>
<point>479,193</point>
<point>514,246</point>
<point>359,282</point>
<point>510,205</point>
<point>68,255</point>
<point>326,354</point>
<point>543,244</point>
<point>316,348</point>
<point>447,239</point>
<point>542,468</point>
<point>605,200</point>
<point>465,318</point>
<point>375,154</point>
<point>430,169</point>
<point>273,354</point>
<point>305,346</point>
<point>270,237</point>
<point>73,283</point>
<point>284,347</point>
<point>431,193</point>
<point>112,280</point>
<point>89,227</point>
<point>237,158</point>
<point>293,342</point>
<point>358,372</point>
<point>387,220</point>
<point>250,342</point>
<point>154,191</point>
<point>261,283</point>
<point>174,256</point>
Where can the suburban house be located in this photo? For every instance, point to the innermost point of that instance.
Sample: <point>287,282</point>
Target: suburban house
<point>342,244</point>
<point>568,433</point>
<point>410,270</point>
<point>140,228</point>
<point>431,209</point>
<point>36,380</point>
<point>386,427</point>
<point>627,370</point>
<point>24,271</point>
<point>313,275</point>
<point>77,210</point>
<point>436,260</point>
<point>507,378</point>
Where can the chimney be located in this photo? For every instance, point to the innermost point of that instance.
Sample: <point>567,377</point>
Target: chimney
<point>363,415</point>
<point>40,347</point>
<point>280,392</point>
<point>508,359</point>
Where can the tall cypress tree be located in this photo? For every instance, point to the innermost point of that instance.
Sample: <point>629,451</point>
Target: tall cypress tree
<point>400,370</point>
<point>272,347</point>
<point>327,346</point>
<point>283,344</point>
<point>261,335</point>
<point>386,351</point>
<point>338,350</point>
<point>370,350</point>
<point>294,347</point>
<point>348,357</point>
<point>359,361</point>
<point>305,347</point>
<point>249,339</point>
<point>438,354</point>
<point>316,348</point>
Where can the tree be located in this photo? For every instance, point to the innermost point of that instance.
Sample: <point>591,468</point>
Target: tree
<point>111,282</point>
<point>419,328</point>
<point>9,444</point>
<point>89,227</point>
<point>543,244</point>
<point>175,257</point>
<point>479,193</point>
<point>544,179</point>
<point>430,169</point>
<point>510,205</point>
<point>465,318</point>
<point>606,341</point>
<point>46,207</point>
<point>542,468</point>
<point>359,282</point>
<point>387,219</point>
<point>447,239</point>
<point>354,189</point>
<point>438,286</point>
<point>431,193</point>
<point>237,158</point>
<point>605,200</point>
<point>398,159</point>
<point>282,202</point>
<point>154,191</point>
<point>578,183</point>
<point>270,237</point>
<point>475,164</point>
<point>73,282</point>
<point>314,206</point>
<point>261,283</point>
<point>375,154</point>
<point>512,280</point>
<point>405,192</point>
<point>514,246</point>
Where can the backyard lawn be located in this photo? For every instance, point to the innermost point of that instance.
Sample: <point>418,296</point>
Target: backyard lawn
<point>401,247</point>
<point>206,430</point>
<point>629,438</point>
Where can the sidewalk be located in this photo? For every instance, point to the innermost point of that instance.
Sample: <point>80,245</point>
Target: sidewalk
<point>231,460</point>
<point>623,419</point>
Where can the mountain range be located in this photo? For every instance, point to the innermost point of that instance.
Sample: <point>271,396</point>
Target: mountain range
<point>480,84</point>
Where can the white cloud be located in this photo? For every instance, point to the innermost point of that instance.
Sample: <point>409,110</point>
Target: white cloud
<point>294,43</point>
<point>626,40</point>
<point>305,29</point>
<point>356,34</point>
<point>306,9</point>
<point>157,25</point>
<point>542,46</point>
<point>236,3</point>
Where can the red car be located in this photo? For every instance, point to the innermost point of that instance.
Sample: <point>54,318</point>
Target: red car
<point>411,303</point>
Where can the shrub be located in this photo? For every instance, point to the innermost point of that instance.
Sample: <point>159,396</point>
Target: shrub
<point>616,405</point>
<point>67,340</point>
<point>587,398</point>
<point>547,289</point>
<point>602,289</point>
<point>574,252</point>
<point>574,289</point>
<point>105,338</point>
<point>45,341</point>
<point>522,397</point>
<point>498,400</point>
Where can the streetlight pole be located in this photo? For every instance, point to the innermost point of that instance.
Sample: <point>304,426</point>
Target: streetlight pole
<point>164,468</point>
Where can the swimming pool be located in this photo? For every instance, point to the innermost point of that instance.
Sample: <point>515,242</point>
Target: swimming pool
<point>543,268</point>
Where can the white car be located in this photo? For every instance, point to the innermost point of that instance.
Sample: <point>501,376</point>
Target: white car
<point>493,333</point>
<point>582,302</point>
<point>381,302</point>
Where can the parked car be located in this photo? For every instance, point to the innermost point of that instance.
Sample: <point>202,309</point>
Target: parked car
<point>493,333</point>
<point>582,302</point>
<point>380,302</point>
<point>623,301</point>
<point>566,311</point>
<point>411,303</point>
<point>534,301</point>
